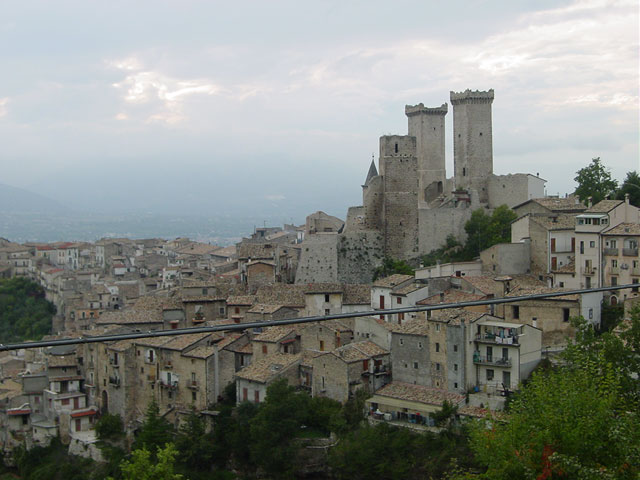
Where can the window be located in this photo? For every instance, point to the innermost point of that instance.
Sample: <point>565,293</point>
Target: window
<point>420,345</point>
<point>245,394</point>
<point>205,291</point>
<point>464,171</point>
<point>396,148</point>
<point>437,347</point>
<point>237,310</point>
<point>565,314</point>
<point>256,396</point>
<point>591,314</point>
<point>455,367</point>
<point>322,345</point>
<point>326,297</point>
<point>614,281</point>
<point>437,327</point>
<point>65,401</point>
<point>455,385</point>
<point>592,244</point>
<point>365,365</point>
<point>382,301</point>
<point>614,263</point>
<point>581,247</point>
<point>401,341</point>
<point>399,301</point>
<point>516,311</point>
<point>193,396</point>
<point>264,349</point>
<point>221,310</point>
<point>614,243</point>
<point>327,311</point>
<point>438,367</point>
<point>489,375</point>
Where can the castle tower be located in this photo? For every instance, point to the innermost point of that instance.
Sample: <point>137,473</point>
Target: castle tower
<point>472,141</point>
<point>427,125</point>
<point>399,174</point>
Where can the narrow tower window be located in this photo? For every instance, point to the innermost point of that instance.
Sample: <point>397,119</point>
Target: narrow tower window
<point>396,148</point>
<point>464,171</point>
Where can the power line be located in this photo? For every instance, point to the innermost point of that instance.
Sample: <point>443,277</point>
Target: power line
<point>302,320</point>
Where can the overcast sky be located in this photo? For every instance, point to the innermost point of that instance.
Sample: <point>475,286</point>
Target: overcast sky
<point>269,106</point>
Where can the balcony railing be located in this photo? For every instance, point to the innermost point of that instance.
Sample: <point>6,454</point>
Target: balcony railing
<point>172,385</point>
<point>611,251</point>
<point>495,361</point>
<point>193,384</point>
<point>630,252</point>
<point>493,338</point>
<point>115,381</point>
<point>588,271</point>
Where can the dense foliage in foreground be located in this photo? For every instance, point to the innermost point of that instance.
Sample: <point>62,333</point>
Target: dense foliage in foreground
<point>24,312</point>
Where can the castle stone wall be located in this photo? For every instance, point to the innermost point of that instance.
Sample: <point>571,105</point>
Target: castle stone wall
<point>359,254</point>
<point>318,259</point>
<point>437,224</point>
<point>513,189</point>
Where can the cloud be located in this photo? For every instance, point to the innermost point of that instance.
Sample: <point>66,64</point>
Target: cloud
<point>3,106</point>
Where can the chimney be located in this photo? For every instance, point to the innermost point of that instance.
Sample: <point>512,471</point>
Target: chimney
<point>590,202</point>
<point>626,198</point>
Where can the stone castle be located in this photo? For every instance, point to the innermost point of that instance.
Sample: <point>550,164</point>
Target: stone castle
<point>409,206</point>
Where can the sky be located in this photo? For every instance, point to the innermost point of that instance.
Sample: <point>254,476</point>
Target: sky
<point>263,108</point>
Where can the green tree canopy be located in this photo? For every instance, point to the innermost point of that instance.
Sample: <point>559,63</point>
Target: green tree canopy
<point>194,444</point>
<point>630,185</point>
<point>595,181</point>
<point>155,431</point>
<point>25,314</point>
<point>143,467</point>
<point>484,230</point>
<point>390,267</point>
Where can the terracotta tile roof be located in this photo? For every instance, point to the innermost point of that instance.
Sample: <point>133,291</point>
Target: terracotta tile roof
<point>226,252</point>
<point>201,352</point>
<point>255,251</point>
<point>203,298</point>
<point>407,289</point>
<point>54,361</point>
<point>154,342</point>
<point>624,229</point>
<point>389,326</point>
<point>567,268</point>
<point>227,340</point>
<point>246,349</point>
<point>196,248</point>
<point>534,290</point>
<point>180,342</point>
<point>418,393</point>
<point>483,283</point>
<point>356,294</point>
<point>282,294</point>
<point>316,288</point>
<point>241,300</point>
<point>417,326</point>
<point>392,280</point>
<point>455,315</point>
<point>568,204</point>
<point>269,367</point>
<point>308,356</point>
<point>263,262</point>
<point>274,334</point>
<point>559,222</point>
<point>262,308</point>
<point>451,296</point>
<point>604,206</point>
<point>121,346</point>
<point>358,351</point>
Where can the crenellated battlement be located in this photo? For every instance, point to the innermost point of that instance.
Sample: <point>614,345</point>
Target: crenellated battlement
<point>412,110</point>
<point>471,96</point>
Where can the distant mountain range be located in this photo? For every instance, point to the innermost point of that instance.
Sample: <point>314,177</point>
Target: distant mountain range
<point>14,200</point>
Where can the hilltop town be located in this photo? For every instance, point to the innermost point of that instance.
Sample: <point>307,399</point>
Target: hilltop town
<point>409,363</point>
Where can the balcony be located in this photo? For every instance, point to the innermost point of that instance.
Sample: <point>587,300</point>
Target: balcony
<point>115,381</point>
<point>494,361</point>
<point>630,252</point>
<point>193,384</point>
<point>496,339</point>
<point>611,251</point>
<point>172,385</point>
<point>588,270</point>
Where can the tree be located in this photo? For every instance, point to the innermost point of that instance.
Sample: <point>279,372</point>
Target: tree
<point>631,186</point>
<point>390,267</point>
<point>142,467</point>
<point>484,230</point>
<point>109,427</point>
<point>275,426</point>
<point>155,431</point>
<point>594,181</point>
<point>193,443</point>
